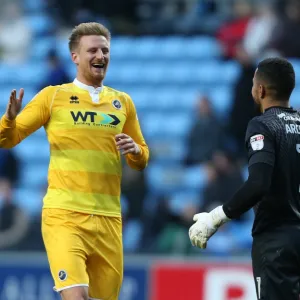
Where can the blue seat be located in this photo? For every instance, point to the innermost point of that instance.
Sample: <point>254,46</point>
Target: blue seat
<point>34,6</point>
<point>40,48</point>
<point>144,48</point>
<point>167,150</point>
<point>5,91</point>
<point>30,200</point>
<point>166,179</point>
<point>171,47</point>
<point>166,125</point>
<point>132,235</point>
<point>143,98</point>
<point>34,148</point>
<point>40,24</point>
<point>202,47</point>
<point>121,47</point>
<point>34,175</point>
<point>296,65</point>
<point>230,70</point>
<point>180,200</point>
<point>161,179</point>
<point>221,99</point>
<point>25,74</point>
<point>295,98</point>
<point>177,72</point>
<point>62,49</point>
<point>214,72</point>
<point>125,72</point>
<point>194,178</point>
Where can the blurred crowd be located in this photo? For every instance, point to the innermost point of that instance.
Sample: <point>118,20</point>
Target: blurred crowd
<point>247,30</point>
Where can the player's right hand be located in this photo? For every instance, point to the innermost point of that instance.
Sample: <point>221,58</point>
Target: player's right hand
<point>14,105</point>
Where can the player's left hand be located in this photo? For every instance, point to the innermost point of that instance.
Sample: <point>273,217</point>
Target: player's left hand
<point>125,144</point>
<point>206,225</point>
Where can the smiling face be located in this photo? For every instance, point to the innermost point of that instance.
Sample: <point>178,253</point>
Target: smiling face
<point>92,58</point>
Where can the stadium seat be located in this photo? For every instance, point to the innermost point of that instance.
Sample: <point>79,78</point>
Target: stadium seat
<point>30,200</point>
<point>5,90</point>
<point>34,174</point>
<point>165,179</point>
<point>194,178</point>
<point>28,73</point>
<point>295,98</point>
<point>62,49</point>
<point>132,235</point>
<point>41,24</point>
<point>121,48</point>
<point>167,150</point>
<point>296,65</point>
<point>166,124</point>
<point>144,48</point>
<point>172,47</point>
<point>34,148</point>
<point>40,48</point>
<point>34,6</point>
<point>182,199</point>
<point>162,180</point>
<point>202,47</point>
<point>221,99</point>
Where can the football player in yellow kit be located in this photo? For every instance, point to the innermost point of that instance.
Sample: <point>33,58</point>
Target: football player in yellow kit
<point>88,125</point>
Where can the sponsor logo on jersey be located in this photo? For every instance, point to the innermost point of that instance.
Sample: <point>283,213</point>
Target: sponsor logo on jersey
<point>74,99</point>
<point>286,117</point>
<point>257,142</point>
<point>62,275</point>
<point>92,118</point>
<point>116,104</point>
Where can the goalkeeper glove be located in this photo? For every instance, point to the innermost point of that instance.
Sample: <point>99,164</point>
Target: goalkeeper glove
<point>206,225</point>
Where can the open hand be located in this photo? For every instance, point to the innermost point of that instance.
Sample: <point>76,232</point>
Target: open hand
<point>14,104</point>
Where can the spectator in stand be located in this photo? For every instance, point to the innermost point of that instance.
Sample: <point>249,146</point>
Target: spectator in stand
<point>56,74</point>
<point>285,38</point>
<point>260,29</point>
<point>15,34</point>
<point>9,166</point>
<point>243,108</point>
<point>14,223</point>
<point>205,135</point>
<point>231,33</point>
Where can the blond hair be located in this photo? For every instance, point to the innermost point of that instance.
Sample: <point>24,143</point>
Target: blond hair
<point>91,28</point>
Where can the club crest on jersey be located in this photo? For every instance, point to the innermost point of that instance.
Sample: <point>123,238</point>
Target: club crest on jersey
<point>257,142</point>
<point>116,104</point>
<point>62,275</point>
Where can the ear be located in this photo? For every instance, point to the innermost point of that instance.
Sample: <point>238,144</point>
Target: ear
<point>262,92</point>
<point>75,57</point>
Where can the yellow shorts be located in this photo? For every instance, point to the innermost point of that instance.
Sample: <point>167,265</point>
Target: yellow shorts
<point>84,250</point>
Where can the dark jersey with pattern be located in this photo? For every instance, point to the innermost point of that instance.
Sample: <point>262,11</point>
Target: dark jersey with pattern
<point>274,138</point>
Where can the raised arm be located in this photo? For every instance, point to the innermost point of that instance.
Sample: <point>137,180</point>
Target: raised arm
<point>15,125</point>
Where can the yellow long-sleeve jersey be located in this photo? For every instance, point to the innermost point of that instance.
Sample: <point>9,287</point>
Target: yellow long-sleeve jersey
<point>85,166</point>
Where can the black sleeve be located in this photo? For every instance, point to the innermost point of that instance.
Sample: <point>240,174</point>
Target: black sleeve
<point>260,146</point>
<point>251,192</point>
<point>260,143</point>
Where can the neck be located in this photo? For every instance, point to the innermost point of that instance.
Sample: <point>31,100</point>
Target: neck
<point>93,83</point>
<point>270,103</point>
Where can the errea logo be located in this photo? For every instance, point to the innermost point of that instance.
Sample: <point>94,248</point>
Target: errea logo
<point>74,99</point>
